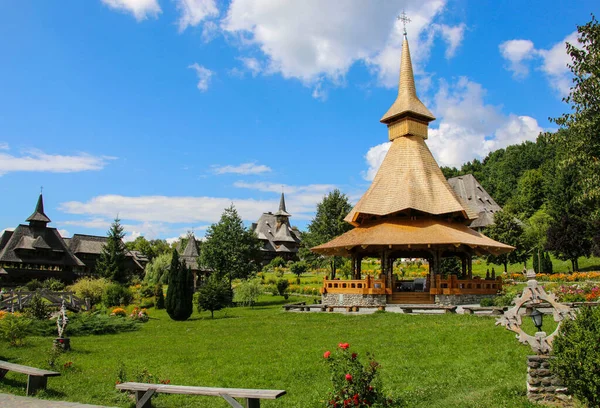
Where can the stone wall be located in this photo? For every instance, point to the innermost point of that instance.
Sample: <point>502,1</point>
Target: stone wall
<point>452,300</point>
<point>542,384</point>
<point>335,299</point>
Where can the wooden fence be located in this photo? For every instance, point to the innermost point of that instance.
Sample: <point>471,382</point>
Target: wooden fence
<point>17,300</point>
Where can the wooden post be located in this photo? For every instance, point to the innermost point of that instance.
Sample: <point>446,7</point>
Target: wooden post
<point>470,266</point>
<point>252,403</point>
<point>359,266</point>
<point>35,383</point>
<point>464,266</point>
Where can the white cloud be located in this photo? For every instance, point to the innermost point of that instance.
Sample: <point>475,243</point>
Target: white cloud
<point>453,36</point>
<point>132,236</point>
<point>38,161</point>
<point>468,127</point>
<point>516,52</point>
<point>210,29</point>
<point>553,61</point>
<point>64,233</point>
<point>140,9</point>
<point>194,11</point>
<point>4,146</point>
<point>314,40</point>
<point>244,168</point>
<point>204,76</point>
<point>252,65</point>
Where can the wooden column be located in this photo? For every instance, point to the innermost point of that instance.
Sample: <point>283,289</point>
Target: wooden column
<point>463,259</point>
<point>359,266</point>
<point>470,266</point>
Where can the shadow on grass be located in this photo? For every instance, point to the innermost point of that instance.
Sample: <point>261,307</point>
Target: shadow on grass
<point>22,385</point>
<point>591,268</point>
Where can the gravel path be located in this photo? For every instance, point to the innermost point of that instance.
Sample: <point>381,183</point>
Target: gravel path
<point>15,401</point>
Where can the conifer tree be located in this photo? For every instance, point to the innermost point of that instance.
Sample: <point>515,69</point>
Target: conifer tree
<point>111,263</point>
<point>159,297</point>
<point>179,302</point>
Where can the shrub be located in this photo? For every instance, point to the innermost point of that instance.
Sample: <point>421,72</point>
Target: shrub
<point>248,292</point>
<point>139,314</point>
<point>486,302</point>
<point>116,295</point>
<point>90,288</point>
<point>33,285</point>
<point>353,384</point>
<point>282,286</point>
<point>298,268</point>
<point>277,262</point>
<point>119,312</point>
<point>159,297</point>
<point>214,295</point>
<point>54,285</point>
<point>179,302</point>
<point>37,308</point>
<point>14,329</point>
<point>146,290</point>
<point>85,324</point>
<point>577,354</point>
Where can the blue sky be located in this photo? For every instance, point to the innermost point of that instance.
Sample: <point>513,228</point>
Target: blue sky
<point>164,112</point>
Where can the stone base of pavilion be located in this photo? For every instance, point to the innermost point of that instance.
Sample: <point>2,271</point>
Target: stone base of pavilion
<point>371,292</point>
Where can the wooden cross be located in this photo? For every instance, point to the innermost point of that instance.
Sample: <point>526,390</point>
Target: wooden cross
<point>404,18</point>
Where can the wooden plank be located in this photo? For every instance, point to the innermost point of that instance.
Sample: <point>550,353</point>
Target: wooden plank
<point>35,383</point>
<point>143,400</point>
<point>5,365</point>
<point>208,391</point>
<point>231,401</point>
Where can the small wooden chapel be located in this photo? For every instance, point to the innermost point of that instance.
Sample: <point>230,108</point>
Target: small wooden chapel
<point>410,211</point>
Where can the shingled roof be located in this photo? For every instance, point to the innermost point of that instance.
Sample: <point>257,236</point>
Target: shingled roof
<point>275,231</point>
<point>25,240</point>
<point>38,214</point>
<point>468,188</point>
<point>191,253</point>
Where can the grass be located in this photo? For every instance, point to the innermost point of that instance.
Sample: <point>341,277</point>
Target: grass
<point>427,360</point>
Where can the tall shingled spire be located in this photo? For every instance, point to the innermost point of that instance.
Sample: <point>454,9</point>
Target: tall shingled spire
<point>38,218</point>
<point>409,178</point>
<point>407,115</point>
<point>282,210</point>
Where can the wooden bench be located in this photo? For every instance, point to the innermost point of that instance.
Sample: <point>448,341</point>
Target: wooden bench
<point>299,305</point>
<point>331,308</point>
<point>144,391</point>
<point>37,378</point>
<point>495,311</point>
<point>410,308</point>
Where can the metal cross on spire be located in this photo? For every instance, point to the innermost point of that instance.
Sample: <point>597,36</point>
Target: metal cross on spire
<point>404,18</point>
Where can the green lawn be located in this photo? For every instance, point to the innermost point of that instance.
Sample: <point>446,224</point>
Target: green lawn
<point>427,360</point>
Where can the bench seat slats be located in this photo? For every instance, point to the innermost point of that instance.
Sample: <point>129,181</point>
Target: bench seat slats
<point>208,391</point>
<point>18,368</point>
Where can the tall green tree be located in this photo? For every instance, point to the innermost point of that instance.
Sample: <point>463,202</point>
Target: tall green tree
<point>508,230</point>
<point>179,302</point>
<point>327,224</point>
<point>582,142</point>
<point>214,295</point>
<point>111,263</point>
<point>536,233</point>
<point>151,249</point>
<point>231,250</point>
<point>569,240</point>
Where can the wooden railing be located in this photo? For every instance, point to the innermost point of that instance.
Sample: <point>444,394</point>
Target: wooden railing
<point>454,286</point>
<point>17,300</point>
<point>367,286</point>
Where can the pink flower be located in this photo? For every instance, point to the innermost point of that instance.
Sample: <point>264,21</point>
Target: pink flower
<point>327,354</point>
<point>348,377</point>
<point>343,346</point>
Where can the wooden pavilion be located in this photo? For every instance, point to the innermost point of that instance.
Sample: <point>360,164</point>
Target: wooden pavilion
<point>410,211</point>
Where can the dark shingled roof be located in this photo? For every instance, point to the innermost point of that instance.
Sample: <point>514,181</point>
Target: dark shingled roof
<point>191,253</point>
<point>274,234</point>
<point>38,215</point>
<point>474,195</point>
<point>25,241</point>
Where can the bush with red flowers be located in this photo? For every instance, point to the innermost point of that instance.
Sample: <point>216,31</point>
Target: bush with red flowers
<point>354,384</point>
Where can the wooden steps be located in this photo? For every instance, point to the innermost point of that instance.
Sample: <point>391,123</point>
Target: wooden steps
<point>411,298</point>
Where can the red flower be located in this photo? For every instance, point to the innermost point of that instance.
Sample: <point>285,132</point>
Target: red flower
<point>327,354</point>
<point>356,400</point>
<point>348,377</point>
<point>354,356</point>
<point>343,346</point>
<point>61,341</point>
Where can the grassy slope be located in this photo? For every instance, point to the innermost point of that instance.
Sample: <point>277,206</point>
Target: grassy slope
<point>430,361</point>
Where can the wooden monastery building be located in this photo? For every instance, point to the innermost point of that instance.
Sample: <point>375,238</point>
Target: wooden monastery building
<point>278,237</point>
<point>37,251</point>
<point>410,211</point>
